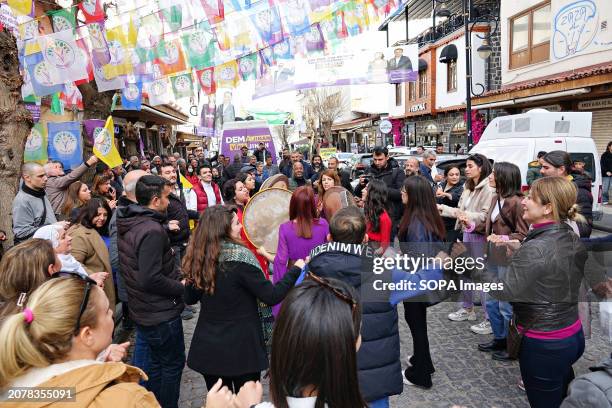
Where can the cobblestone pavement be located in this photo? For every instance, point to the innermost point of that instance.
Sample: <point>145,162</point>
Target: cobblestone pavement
<point>463,375</point>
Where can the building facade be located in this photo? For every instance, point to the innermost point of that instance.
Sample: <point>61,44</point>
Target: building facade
<point>557,55</point>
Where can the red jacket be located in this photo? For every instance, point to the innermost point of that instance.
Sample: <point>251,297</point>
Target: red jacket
<point>203,198</point>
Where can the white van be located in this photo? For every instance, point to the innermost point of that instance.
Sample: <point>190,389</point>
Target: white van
<point>518,139</point>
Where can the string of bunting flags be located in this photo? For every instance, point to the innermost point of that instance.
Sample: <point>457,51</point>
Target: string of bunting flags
<point>165,49</point>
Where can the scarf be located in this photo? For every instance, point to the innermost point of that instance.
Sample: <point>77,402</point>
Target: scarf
<point>32,192</point>
<point>232,252</point>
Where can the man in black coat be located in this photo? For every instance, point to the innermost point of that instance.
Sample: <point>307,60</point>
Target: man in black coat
<point>261,153</point>
<point>393,177</point>
<point>155,292</point>
<point>345,258</point>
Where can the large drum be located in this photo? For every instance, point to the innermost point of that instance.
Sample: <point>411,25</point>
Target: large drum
<point>334,199</point>
<point>276,181</point>
<point>262,216</point>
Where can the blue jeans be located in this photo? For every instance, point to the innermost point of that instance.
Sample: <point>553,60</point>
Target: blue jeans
<point>142,356</point>
<point>381,403</point>
<point>607,183</point>
<point>499,312</point>
<point>167,359</point>
<point>546,368</point>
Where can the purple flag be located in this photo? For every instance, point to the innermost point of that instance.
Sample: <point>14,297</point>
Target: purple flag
<point>92,127</point>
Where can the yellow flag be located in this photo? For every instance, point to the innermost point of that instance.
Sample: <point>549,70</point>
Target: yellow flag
<point>132,33</point>
<point>226,75</point>
<point>185,182</point>
<point>21,6</point>
<point>118,47</point>
<point>104,145</point>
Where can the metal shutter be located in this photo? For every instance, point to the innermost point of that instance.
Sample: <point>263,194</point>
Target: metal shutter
<point>601,129</point>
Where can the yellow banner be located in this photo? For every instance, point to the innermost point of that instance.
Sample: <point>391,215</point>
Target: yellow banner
<point>104,145</point>
<point>327,152</point>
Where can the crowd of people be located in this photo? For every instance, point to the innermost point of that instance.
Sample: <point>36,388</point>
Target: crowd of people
<point>152,238</point>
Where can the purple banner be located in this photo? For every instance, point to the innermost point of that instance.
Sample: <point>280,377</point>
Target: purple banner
<point>90,129</point>
<point>34,110</point>
<point>234,139</point>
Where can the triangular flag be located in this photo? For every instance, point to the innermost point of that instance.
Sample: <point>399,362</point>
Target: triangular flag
<point>185,182</point>
<point>104,145</point>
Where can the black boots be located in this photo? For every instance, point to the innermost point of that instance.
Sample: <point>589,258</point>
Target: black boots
<point>493,345</point>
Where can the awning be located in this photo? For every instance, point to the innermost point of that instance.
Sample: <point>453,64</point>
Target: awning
<point>422,64</point>
<point>353,124</point>
<point>150,114</point>
<point>448,54</point>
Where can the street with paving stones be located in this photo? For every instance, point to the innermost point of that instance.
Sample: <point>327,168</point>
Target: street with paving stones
<point>464,376</point>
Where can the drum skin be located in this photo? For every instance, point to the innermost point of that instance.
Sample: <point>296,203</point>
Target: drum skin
<point>262,216</point>
<point>335,198</point>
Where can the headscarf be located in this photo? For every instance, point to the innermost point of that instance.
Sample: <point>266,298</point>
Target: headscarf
<point>51,233</point>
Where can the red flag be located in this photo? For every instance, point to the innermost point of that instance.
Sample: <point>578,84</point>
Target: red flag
<point>85,55</point>
<point>206,78</point>
<point>92,10</point>
<point>215,12</point>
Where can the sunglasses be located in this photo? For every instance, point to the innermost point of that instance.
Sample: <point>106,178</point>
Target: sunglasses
<point>89,283</point>
<point>339,294</point>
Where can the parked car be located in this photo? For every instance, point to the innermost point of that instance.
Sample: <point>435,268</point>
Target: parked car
<point>344,159</point>
<point>360,162</point>
<point>518,139</point>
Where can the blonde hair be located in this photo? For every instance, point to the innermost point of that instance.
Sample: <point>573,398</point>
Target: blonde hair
<point>561,194</point>
<point>23,268</point>
<point>55,306</point>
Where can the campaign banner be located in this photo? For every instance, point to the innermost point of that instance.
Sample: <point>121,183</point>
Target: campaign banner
<point>327,152</point>
<point>246,133</point>
<point>36,145</point>
<point>92,127</point>
<point>358,67</point>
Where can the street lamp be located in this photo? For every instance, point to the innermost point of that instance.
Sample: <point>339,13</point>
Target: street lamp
<point>484,50</point>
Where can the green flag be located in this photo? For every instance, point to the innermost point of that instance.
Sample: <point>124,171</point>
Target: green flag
<point>63,19</point>
<point>273,118</point>
<point>182,85</point>
<point>247,66</point>
<point>173,17</point>
<point>199,48</point>
<point>36,145</point>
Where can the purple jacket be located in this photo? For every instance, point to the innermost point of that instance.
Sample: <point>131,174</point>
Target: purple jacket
<point>292,247</point>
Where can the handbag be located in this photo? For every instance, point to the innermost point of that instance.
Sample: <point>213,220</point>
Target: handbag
<point>515,336</point>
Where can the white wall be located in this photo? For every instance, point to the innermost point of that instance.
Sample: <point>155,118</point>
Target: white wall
<point>595,42</point>
<point>445,99</point>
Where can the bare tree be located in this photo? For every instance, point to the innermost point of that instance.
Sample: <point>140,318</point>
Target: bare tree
<point>326,105</point>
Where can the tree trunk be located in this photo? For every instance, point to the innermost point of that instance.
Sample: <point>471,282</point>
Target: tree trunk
<point>15,125</point>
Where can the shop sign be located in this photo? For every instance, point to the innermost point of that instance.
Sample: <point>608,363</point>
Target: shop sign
<point>34,110</point>
<point>385,126</point>
<point>595,104</point>
<point>418,107</point>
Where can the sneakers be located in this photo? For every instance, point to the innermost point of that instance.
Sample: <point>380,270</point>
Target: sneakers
<point>483,327</point>
<point>410,378</point>
<point>462,315</point>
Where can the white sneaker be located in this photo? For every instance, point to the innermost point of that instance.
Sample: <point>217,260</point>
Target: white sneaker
<point>408,364</point>
<point>462,315</point>
<point>483,327</point>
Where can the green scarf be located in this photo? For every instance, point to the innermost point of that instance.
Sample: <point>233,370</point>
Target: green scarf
<point>232,252</point>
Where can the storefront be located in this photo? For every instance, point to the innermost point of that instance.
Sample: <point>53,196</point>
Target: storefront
<point>357,133</point>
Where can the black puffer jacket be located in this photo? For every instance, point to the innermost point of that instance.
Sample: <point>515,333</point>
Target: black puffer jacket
<point>585,201</point>
<point>393,177</point>
<point>178,211</point>
<point>543,278</point>
<point>378,358</point>
<point>155,293</point>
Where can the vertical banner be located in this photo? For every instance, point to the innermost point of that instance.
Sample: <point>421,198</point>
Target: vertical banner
<point>104,144</point>
<point>65,143</point>
<point>207,117</point>
<point>36,145</point>
<point>182,85</point>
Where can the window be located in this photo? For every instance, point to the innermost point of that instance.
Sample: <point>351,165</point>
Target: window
<point>412,91</point>
<point>530,36</point>
<point>422,84</point>
<point>589,163</point>
<point>398,94</point>
<point>451,76</point>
